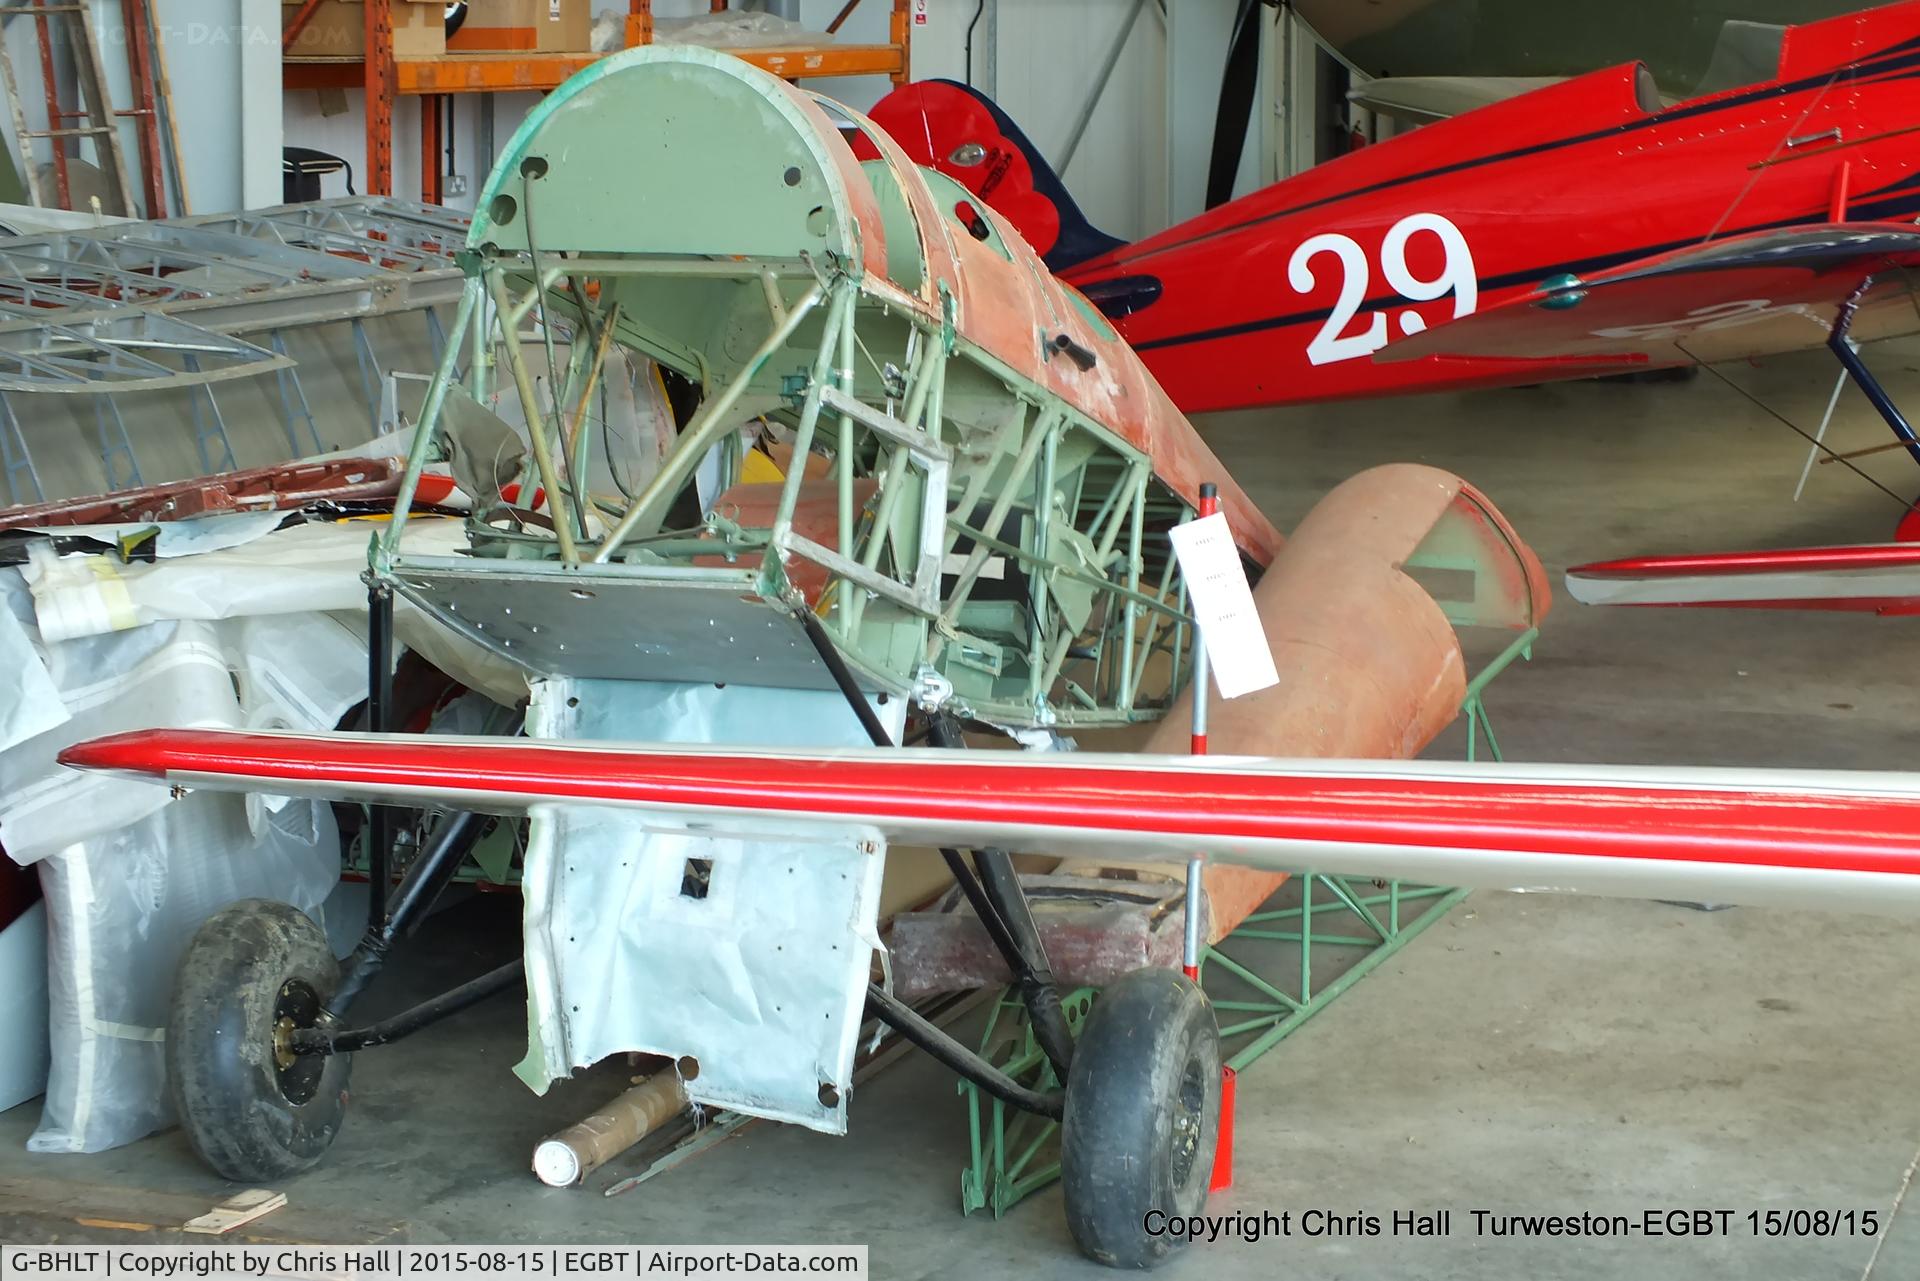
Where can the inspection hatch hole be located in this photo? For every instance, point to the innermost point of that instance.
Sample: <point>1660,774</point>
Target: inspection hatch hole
<point>696,878</point>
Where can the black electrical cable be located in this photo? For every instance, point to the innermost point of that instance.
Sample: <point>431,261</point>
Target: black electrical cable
<point>977,11</point>
<point>1233,116</point>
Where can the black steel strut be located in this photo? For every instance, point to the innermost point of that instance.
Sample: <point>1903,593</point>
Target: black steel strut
<point>1032,972</point>
<point>994,893</point>
<point>905,1020</point>
<point>1863,378</point>
<point>324,1040</point>
<point>395,911</point>
<point>379,717</point>
<point>452,838</point>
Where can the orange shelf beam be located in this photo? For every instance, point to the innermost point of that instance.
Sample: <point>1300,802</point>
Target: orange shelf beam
<point>384,78</point>
<point>510,72</point>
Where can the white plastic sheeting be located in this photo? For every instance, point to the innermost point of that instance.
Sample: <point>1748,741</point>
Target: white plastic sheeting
<point>29,702</point>
<point>210,533</point>
<point>129,872</point>
<point>23,1007</point>
<point>725,30</point>
<point>304,569</point>
<point>760,976</point>
<point>121,908</point>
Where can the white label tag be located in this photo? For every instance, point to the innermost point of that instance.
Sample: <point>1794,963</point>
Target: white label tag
<point>1223,605</point>
<point>919,13</point>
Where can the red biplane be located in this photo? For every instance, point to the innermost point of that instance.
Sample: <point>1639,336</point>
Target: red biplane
<point>1585,228</point>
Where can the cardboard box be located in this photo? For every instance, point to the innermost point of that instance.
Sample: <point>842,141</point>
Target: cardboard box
<point>337,29</point>
<point>534,26</point>
<point>419,28</point>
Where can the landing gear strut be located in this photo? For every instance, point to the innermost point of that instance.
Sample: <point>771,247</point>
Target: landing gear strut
<point>258,1053</point>
<point>1140,1115</point>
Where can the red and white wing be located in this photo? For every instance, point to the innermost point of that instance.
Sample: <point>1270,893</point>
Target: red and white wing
<point>1825,839</point>
<point>1750,295</point>
<point>1874,578</point>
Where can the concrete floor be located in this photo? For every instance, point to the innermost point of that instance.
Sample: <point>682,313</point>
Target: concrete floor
<point>1529,1054</point>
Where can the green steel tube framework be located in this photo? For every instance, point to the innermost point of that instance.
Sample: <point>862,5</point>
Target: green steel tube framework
<point>1071,506</point>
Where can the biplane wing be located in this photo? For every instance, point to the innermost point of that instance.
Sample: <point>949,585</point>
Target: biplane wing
<point>1796,838</point>
<point>1873,578</point>
<point>1745,296</point>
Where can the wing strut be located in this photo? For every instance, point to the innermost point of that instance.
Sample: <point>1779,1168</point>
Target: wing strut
<point>992,887</point>
<point>1849,357</point>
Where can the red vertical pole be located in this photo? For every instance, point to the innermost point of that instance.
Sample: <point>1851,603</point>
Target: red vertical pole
<point>133,15</point>
<point>639,23</point>
<point>1209,506</point>
<point>380,82</point>
<point>900,33</point>
<point>430,168</point>
<point>1190,957</point>
<point>1223,1146</point>
<point>1222,1176</point>
<point>54,114</point>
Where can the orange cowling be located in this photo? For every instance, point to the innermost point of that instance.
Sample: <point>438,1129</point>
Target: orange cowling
<point>1369,665</point>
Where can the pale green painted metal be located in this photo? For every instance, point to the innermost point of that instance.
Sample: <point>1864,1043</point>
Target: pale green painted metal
<point>1012,1152</point>
<point>1475,707</point>
<point>723,289</point>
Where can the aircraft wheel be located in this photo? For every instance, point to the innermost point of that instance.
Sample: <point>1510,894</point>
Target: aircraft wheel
<point>254,1110</point>
<point>1142,1116</point>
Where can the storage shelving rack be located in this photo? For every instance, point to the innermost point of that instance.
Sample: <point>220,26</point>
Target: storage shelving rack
<point>385,78</point>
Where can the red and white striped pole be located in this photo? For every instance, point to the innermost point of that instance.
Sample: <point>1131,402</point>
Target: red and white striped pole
<point>1190,952</point>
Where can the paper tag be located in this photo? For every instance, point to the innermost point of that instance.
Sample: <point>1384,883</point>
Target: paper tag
<point>1223,605</point>
<point>919,13</point>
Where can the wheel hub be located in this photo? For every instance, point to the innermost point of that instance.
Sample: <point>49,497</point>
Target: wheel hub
<point>1189,1104</point>
<point>297,1006</point>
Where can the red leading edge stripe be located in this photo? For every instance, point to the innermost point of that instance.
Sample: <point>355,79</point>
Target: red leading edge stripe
<point>1790,559</point>
<point>1857,832</point>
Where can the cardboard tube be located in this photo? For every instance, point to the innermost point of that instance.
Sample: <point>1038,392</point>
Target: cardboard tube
<point>583,1147</point>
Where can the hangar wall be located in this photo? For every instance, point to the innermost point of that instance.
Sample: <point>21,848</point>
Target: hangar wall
<point>1048,51</point>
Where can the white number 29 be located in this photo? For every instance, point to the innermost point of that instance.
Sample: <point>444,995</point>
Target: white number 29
<point>1456,277</point>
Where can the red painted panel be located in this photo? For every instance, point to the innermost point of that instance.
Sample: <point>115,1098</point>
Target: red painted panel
<point>1283,296</point>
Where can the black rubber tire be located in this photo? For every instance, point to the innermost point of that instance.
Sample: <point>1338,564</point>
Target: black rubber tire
<point>1142,1116</point>
<point>250,1116</point>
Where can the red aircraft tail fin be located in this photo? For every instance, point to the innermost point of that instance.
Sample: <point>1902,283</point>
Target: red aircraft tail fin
<point>1880,41</point>
<point>964,134</point>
